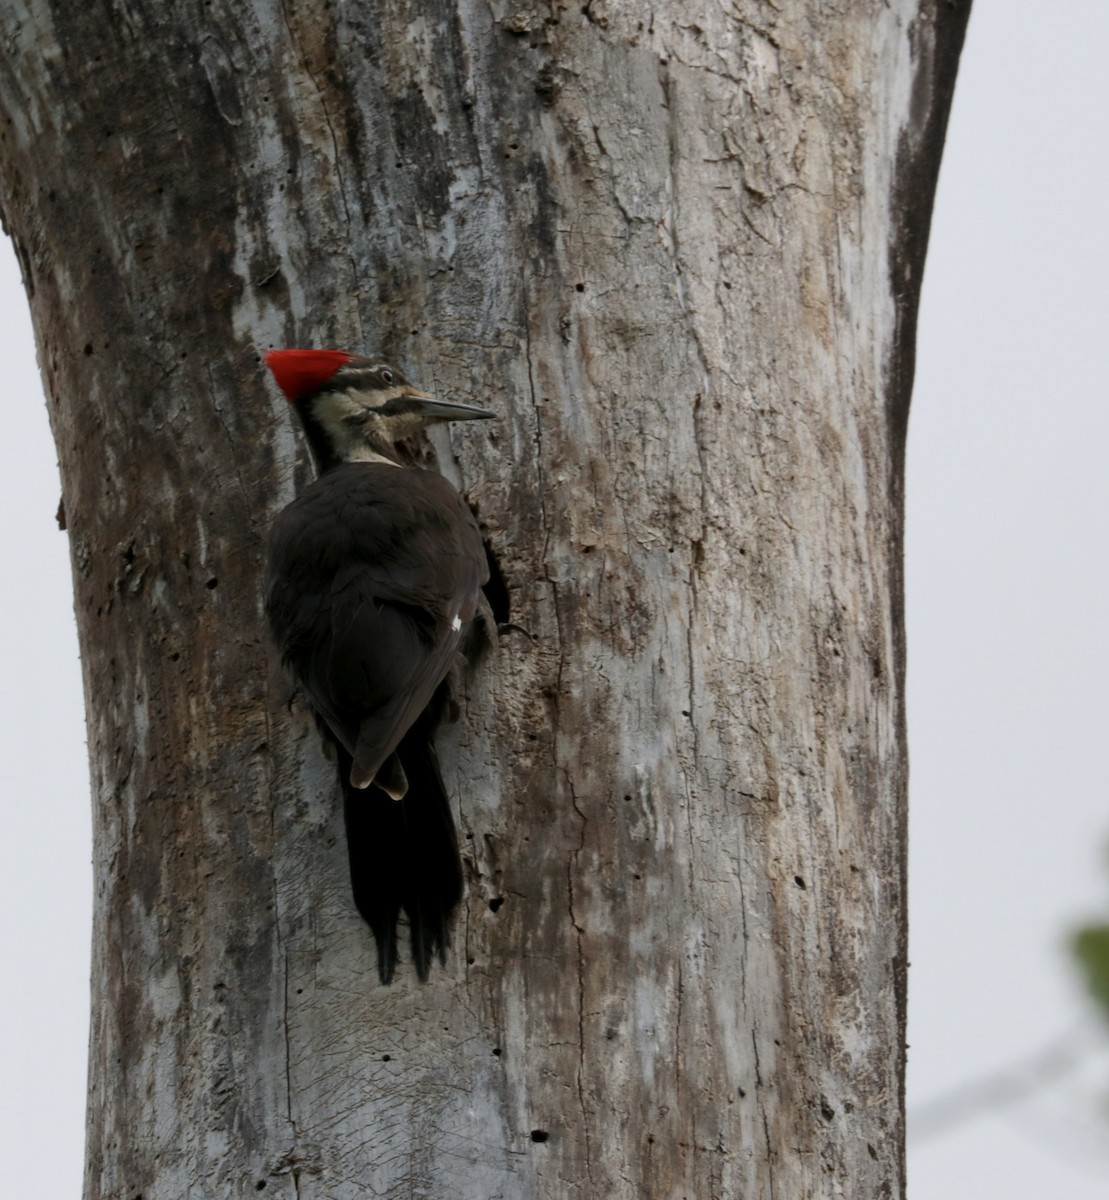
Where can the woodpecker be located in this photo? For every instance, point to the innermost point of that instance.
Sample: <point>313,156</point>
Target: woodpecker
<point>373,593</point>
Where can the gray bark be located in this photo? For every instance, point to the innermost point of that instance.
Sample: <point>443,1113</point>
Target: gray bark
<point>679,248</point>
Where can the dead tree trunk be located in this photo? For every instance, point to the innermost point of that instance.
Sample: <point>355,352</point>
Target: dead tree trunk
<point>679,247</point>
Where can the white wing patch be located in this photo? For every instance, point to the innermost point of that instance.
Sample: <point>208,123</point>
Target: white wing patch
<point>456,624</point>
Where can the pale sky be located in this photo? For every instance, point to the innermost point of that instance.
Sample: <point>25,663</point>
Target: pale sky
<point>1008,575</point>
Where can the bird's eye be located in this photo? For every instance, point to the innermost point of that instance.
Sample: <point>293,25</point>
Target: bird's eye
<point>387,376</point>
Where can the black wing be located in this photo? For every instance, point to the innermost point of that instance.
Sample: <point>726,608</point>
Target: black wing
<point>374,575</point>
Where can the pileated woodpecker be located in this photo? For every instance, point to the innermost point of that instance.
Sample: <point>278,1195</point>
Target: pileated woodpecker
<point>373,586</point>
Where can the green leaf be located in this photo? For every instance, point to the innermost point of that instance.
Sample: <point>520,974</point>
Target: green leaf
<point>1091,948</point>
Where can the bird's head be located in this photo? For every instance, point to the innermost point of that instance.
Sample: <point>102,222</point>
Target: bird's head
<point>356,409</point>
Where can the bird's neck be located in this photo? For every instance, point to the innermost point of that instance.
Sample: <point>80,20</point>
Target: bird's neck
<point>368,454</point>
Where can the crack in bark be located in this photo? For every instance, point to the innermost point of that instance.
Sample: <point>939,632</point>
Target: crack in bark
<point>539,471</point>
<point>571,866</point>
<point>247,505</point>
<point>769,1150</point>
<point>285,1025</point>
<point>336,163</point>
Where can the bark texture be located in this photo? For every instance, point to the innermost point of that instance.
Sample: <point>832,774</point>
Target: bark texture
<point>679,247</point>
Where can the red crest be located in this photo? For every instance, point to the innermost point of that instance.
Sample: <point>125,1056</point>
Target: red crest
<point>299,373</point>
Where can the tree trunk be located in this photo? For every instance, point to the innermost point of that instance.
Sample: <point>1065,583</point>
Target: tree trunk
<point>679,247</point>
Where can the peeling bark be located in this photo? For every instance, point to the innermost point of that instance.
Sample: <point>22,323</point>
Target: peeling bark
<point>680,250</point>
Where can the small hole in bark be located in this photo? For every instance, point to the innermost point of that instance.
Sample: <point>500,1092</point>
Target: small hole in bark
<point>540,1135</point>
<point>799,881</point>
<point>88,347</point>
<point>496,590</point>
<point>470,962</point>
<point>212,584</point>
<point>260,1186</point>
<point>826,1110</point>
<point>579,287</point>
<point>872,1152</point>
<point>496,1051</point>
<point>495,903</point>
<point>386,1058</point>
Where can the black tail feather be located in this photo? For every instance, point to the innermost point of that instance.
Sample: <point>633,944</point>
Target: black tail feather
<point>404,856</point>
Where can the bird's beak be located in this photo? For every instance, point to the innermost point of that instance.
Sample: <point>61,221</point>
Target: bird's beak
<point>427,406</point>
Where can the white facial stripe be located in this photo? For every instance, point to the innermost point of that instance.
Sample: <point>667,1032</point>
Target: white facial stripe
<point>377,397</point>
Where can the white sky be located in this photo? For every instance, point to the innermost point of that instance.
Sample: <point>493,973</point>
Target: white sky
<point>1008,574</point>
<point>1009,654</point>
